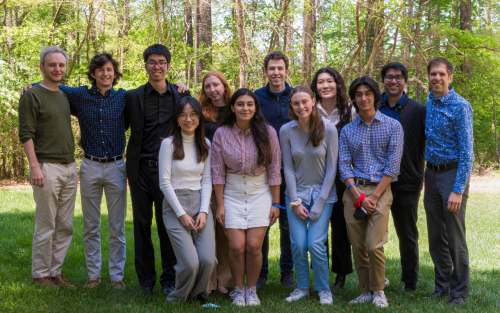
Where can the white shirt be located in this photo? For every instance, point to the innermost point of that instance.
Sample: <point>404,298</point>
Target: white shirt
<point>334,116</point>
<point>184,174</point>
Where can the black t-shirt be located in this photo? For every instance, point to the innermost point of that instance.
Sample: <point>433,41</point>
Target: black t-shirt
<point>158,111</point>
<point>211,127</point>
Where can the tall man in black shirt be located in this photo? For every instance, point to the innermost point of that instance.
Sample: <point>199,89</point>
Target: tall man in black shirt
<point>148,112</point>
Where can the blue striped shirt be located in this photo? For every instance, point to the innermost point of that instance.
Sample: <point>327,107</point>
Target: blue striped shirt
<point>448,128</point>
<point>371,151</point>
<point>101,119</point>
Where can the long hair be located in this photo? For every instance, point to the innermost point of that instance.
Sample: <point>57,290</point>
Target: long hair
<point>366,81</point>
<point>199,133</point>
<point>342,101</point>
<point>210,111</point>
<point>258,126</point>
<point>316,125</point>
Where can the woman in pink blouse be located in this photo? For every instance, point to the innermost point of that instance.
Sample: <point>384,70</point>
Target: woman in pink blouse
<point>246,163</point>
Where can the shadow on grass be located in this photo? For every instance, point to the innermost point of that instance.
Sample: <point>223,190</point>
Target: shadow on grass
<point>19,294</point>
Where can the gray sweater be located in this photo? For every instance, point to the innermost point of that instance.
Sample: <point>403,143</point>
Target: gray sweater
<point>309,171</point>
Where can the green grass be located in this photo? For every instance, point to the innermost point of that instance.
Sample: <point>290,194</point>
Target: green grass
<point>19,294</point>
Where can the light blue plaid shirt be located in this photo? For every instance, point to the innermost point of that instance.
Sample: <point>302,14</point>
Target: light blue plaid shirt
<point>448,128</point>
<point>371,151</point>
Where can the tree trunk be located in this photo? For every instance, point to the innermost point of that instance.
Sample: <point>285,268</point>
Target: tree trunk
<point>496,133</point>
<point>406,49</point>
<point>240,23</point>
<point>204,34</point>
<point>288,36</point>
<point>307,42</point>
<point>418,60</point>
<point>188,24</point>
<point>375,28</point>
<point>466,15</point>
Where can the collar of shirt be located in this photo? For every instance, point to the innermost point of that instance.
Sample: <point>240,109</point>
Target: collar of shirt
<point>377,117</point>
<point>285,91</point>
<point>96,92</point>
<point>150,89</point>
<point>444,98</point>
<point>399,103</point>
<point>236,130</point>
<point>323,112</point>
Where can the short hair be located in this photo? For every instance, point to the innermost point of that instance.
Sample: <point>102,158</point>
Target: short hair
<point>52,49</point>
<point>370,82</point>
<point>99,61</point>
<point>449,66</point>
<point>157,49</point>
<point>275,55</point>
<point>395,66</point>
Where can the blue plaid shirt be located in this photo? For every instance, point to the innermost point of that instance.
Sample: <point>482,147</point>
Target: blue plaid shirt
<point>101,119</point>
<point>371,151</point>
<point>448,128</point>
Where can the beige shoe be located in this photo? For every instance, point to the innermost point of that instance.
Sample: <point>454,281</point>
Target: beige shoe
<point>91,283</point>
<point>118,284</point>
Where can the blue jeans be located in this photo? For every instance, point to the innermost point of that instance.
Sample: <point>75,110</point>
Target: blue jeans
<point>312,239</point>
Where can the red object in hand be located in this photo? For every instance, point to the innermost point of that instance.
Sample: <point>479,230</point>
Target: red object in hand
<point>358,203</point>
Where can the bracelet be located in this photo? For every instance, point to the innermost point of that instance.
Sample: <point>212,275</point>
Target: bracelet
<point>358,203</point>
<point>295,203</point>
<point>279,206</point>
<point>349,187</point>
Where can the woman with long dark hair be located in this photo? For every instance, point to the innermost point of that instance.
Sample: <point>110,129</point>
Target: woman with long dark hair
<point>214,99</point>
<point>309,146</point>
<point>186,182</point>
<point>246,163</point>
<point>331,99</point>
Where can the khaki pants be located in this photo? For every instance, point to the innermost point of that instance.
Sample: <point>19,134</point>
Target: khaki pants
<point>368,237</point>
<point>55,205</point>
<point>221,276</point>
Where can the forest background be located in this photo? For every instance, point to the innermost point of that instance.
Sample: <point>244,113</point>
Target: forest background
<point>233,36</point>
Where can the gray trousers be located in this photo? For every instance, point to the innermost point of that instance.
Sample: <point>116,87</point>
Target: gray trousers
<point>195,251</point>
<point>447,242</point>
<point>112,178</point>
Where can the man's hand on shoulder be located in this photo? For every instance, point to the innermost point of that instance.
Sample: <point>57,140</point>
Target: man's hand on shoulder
<point>25,88</point>
<point>181,88</point>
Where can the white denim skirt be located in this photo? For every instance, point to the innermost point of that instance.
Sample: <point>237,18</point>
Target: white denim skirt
<point>247,200</point>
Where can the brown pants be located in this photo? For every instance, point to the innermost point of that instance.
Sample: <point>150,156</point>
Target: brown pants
<point>221,276</point>
<point>368,237</point>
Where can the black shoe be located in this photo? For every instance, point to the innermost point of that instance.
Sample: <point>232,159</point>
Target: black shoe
<point>439,294</point>
<point>148,291</point>
<point>287,280</point>
<point>456,301</point>
<point>410,288</point>
<point>262,281</point>
<point>201,300</point>
<point>339,281</point>
<point>167,290</point>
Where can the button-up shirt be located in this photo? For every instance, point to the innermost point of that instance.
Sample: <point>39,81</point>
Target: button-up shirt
<point>101,119</point>
<point>370,151</point>
<point>448,128</point>
<point>234,152</point>
<point>334,116</point>
<point>394,110</point>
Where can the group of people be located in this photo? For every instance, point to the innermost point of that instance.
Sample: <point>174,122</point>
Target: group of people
<point>219,171</point>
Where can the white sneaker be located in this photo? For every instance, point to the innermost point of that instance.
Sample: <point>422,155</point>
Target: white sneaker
<point>238,297</point>
<point>297,294</point>
<point>365,297</point>
<point>252,299</point>
<point>325,297</point>
<point>387,283</point>
<point>379,299</point>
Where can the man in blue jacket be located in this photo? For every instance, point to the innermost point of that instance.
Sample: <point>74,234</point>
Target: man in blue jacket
<point>273,100</point>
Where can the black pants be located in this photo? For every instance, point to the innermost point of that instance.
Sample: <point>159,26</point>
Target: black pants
<point>405,215</point>
<point>286,258</point>
<point>341,247</point>
<point>447,242</point>
<point>145,192</point>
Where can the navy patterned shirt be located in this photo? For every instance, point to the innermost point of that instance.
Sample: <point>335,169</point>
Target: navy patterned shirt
<point>371,151</point>
<point>101,119</point>
<point>448,128</point>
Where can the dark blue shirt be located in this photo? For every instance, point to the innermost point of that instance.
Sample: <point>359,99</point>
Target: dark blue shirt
<point>274,109</point>
<point>392,111</point>
<point>101,119</point>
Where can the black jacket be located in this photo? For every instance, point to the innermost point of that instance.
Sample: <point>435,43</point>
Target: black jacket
<point>412,118</point>
<point>134,118</point>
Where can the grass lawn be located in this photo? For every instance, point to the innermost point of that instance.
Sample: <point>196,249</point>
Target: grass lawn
<point>19,294</point>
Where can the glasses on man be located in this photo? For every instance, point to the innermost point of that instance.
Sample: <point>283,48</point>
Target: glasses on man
<point>192,116</point>
<point>153,64</point>
<point>389,78</point>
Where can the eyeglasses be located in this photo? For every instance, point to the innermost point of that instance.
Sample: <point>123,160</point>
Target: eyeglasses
<point>397,78</point>
<point>192,116</point>
<point>153,63</point>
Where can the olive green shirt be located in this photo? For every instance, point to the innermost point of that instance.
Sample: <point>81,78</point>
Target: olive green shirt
<point>45,117</point>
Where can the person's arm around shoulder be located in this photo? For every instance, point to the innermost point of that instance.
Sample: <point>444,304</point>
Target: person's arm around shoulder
<point>274,174</point>
<point>332,144</point>
<point>206,191</point>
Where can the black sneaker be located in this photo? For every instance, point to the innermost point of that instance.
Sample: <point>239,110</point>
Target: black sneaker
<point>410,288</point>
<point>439,294</point>
<point>339,281</point>
<point>456,301</point>
<point>148,291</point>
<point>287,280</point>
<point>262,281</point>
<point>167,290</point>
